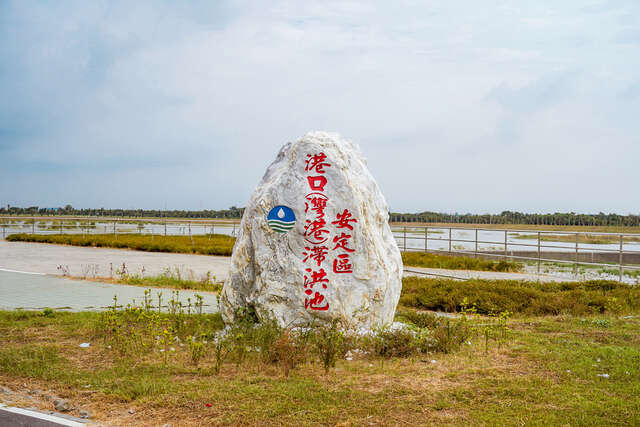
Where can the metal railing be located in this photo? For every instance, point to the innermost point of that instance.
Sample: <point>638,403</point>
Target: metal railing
<point>619,251</point>
<point>118,227</point>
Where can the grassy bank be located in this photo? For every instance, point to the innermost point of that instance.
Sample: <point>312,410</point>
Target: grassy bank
<point>213,244</point>
<point>535,370</point>
<point>528,298</point>
<point>170,278</point>
<point>429,260</point>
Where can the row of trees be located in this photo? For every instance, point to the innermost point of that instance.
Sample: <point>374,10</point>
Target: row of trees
<point>509,217</point>
<point>232,212</point>
<point>506,217</point>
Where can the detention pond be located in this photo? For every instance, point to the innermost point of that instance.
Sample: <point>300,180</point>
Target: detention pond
<point>28,291</point>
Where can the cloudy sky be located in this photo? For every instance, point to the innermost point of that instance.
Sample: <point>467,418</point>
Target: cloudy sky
<point>458,106</point>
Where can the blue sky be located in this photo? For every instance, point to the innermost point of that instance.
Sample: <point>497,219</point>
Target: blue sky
<point>458,106</point>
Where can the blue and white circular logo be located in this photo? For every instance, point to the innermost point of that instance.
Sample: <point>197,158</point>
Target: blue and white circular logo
<point>281,219</point>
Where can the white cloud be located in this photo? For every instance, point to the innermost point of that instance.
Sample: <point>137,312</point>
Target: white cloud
<point>458,106</point>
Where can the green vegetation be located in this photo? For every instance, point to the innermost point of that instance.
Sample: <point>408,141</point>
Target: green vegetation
<point>429,260</point>
<point>170,278</point>
<point>506,217</point>
<point>211,244</point>
<point>530,298</point>
<point>522,218</point>
<point>180,368</point>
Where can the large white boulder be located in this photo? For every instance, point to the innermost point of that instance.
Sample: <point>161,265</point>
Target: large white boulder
<point>314,242</point>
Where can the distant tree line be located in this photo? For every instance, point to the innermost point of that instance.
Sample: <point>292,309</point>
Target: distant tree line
<point>232,212</point>
<point>509,217</point>
<point>506,217</point>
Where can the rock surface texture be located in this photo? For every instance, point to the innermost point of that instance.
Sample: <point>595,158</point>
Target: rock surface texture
<point>337,260</point>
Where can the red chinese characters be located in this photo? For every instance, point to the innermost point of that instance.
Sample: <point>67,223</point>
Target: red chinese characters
<point>316,232</point>
<point>344,219</point>
<point>313,278</point>
<point>316,162</point>
<point>315,253</point>
<point>342,262</point>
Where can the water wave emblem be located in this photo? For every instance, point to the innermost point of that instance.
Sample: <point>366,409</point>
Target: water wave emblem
<point>281,219</point>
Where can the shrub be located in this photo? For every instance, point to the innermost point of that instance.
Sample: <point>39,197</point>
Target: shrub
<point>288,351</point>
<point>429,260</point>
<point>396,342</point>
<point>213,244</point>
<point>533,298</point>
<point>329,343</point>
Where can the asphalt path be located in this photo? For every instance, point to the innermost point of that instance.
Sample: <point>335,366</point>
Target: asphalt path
<point>80,261</point>
<point>18,417</point>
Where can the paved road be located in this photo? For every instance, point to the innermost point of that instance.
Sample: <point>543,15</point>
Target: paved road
<point>18,417</point>
<point>37,291</point>
<point>45,258</point>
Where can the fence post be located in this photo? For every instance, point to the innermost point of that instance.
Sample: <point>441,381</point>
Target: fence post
<point>404,240</point>
<point>475,253</point>
<point>576,266</point>
<point>538,252</point>
<point>33,226</point>
<point>505,245</point>
<point>620,258</point>
<point>165,227</point>
<point>426,239</point>
<point>449,240</point>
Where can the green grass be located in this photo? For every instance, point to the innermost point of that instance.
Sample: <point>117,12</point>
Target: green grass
<point>531,298</point>
<point>215,244</point>
<point>546,373</point>
<point>543,370</point>
<point>429,260</point>
<point>170,279</point>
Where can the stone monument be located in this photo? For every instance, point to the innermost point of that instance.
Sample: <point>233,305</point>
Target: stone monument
<point>314,241</point>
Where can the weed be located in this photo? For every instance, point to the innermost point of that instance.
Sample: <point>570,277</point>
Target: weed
<point>216,244</point>
<point>429,260</point>
<point>288,351</point>
<point>329,343</point>
<point>495,296</point>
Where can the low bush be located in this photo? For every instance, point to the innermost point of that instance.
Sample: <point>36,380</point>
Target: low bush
<point>429,260</point>
<point>532,298</point>
<point>212,244</point>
